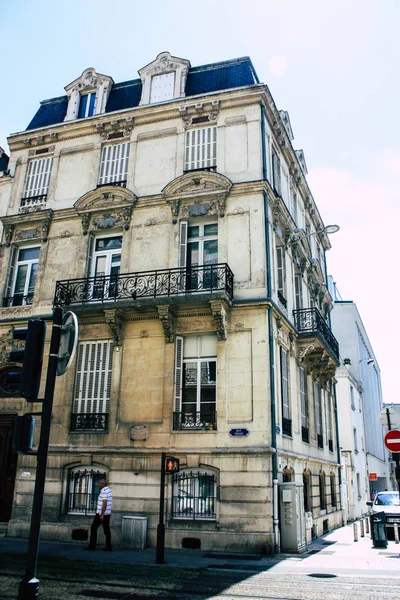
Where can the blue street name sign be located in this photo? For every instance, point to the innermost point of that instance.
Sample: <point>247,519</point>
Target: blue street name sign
<point>239,432</point>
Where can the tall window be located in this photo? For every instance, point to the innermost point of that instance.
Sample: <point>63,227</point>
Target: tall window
<point>37,179</point>
<point>91,403</point>
<point>194,495</point>
<point>200,148</point>
<point>198,252</point>
<point>355,440</point>
<point>298,291</point>
<point>307,490</point>
<point>281,275</point>
<point>286,420</point>
<point>333,489</point>
<point>195,382</point>
<point>293,206</point>
<point>276,172</point>
<point>83,491</point>
<point>87,105</point>
<point>329,421</point>
<point>318,414</point>
<point>305,427</point>
<point>162,87</point>
<point>22,276</point>
<point>322,490</point>
<point>105,266</point>
<point>353,404</point>
<point>114,164</point>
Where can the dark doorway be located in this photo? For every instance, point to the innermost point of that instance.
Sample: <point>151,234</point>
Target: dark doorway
<point>8,466</point>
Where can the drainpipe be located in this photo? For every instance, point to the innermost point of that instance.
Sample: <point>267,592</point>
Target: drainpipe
<point>271,343</point>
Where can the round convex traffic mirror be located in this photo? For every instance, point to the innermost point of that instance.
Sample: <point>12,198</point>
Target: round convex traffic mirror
<point>10,381</point>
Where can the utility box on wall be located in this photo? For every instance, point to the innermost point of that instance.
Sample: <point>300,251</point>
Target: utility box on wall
<point>292,517</point>
<point>134,532</point>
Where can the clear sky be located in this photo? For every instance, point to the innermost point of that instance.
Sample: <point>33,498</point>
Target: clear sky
<point>334,65</point>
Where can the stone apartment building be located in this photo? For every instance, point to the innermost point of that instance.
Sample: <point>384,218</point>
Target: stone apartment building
<point>172,214</point>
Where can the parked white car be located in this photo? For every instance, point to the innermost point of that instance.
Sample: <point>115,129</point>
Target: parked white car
<point>389,503</point>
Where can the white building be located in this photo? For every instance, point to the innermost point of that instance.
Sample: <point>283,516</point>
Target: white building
<point>173,215</point>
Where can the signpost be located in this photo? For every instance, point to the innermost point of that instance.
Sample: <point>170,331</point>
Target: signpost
<point>169,465</point>
<point>392,440</point>
<point>394,418</point>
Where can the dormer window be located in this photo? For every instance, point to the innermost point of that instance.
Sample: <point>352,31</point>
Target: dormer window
<point>162,87</point>
<point>86,105</point>
<point>88,95</point>
<point>164,79</point>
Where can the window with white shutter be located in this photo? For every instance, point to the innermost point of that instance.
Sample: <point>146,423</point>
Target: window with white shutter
<point>37,177</point>
<point>329,422</point>
<point>281,275</point>
<point>114,164</point>
<point>298,292</point>
<point>276,173</point>
<point>318,414</point>
<point>195,382</point>
<point>91,403</point>
<point>162,87</point>
<point>286,420</point>
<point>200,148</point>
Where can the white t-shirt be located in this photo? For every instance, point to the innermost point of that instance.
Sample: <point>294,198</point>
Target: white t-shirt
<point>105,494</point>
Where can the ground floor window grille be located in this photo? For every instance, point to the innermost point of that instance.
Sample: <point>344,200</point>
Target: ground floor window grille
<point>83,491</point>
<point>194,495</point>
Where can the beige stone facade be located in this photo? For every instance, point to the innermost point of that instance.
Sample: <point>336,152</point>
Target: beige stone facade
<point>125,260</point>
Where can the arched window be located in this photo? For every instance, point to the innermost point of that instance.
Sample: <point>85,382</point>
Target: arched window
<point>332,479</point>
<point>82,489</point>
<point>194,495</point>
<point>307,490</point>
<point>322,490</point>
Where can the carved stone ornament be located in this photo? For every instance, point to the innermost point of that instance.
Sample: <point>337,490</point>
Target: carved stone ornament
<point>144,333</point>
<point>107,128</point>
<point>115,322</point>
<point>303,351</point>
<point>8,234</point>
<point>107,221</point>
<point>45,227</point>
<point>168,321</point>
<point>105,208</point>
<point>7,344</point>
<point>85,218</point>
<point>27,234</point>
<point>219,309</point>
<point>239,326</point>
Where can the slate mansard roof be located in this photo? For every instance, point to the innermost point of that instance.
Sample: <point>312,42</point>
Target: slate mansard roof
<point>214,77</point>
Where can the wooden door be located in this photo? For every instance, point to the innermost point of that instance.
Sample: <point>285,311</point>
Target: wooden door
<point>8,466</point>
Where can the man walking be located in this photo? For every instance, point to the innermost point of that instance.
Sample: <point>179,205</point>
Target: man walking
<point>102,517</point>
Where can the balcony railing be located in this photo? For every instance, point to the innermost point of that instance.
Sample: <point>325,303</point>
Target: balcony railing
<point>32,202</point>
<point>286,426</point>
<point>17,300</point>
<point>194,421</point>
<point>146,284</point>
<point>89,422</point>
<point>121,183</point>
<point>310,321</point>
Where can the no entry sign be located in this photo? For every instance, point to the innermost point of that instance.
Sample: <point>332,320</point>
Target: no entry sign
<point>392,440</point>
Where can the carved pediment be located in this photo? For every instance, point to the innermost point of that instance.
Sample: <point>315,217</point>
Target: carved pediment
<point>27,226</point>
<point>198,183</point>
<point>106,207</point>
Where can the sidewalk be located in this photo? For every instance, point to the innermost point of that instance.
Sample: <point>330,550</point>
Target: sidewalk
<point>335,552</point>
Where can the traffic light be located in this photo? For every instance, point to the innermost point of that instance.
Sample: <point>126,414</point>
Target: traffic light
<point>31,357</point>
<point>24,430</point>
<point>171,464</point>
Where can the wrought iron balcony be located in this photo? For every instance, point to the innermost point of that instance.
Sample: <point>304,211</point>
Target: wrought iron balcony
<point>17,300</point>
<point>310,323</point>
<point>194,421</point>
<point>145,284</point>
<point>121,183</point>
<point>31,202</point>
<point>89,422</point>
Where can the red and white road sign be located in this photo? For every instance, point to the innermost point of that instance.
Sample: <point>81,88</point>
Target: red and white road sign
<point>392,440</point>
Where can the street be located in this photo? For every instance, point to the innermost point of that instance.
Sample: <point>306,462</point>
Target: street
<point>333,567</point>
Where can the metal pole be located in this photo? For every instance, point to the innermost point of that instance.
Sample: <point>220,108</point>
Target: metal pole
<point>355,532</point>
<point>395,455</point>
<point>29,585</point>
<point>161,527</point>
<point>362,533</point>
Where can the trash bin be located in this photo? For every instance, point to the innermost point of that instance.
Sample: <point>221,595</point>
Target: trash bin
<point>378,530</point>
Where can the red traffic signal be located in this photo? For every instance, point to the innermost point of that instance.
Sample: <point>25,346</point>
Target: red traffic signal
<point>171,464</point>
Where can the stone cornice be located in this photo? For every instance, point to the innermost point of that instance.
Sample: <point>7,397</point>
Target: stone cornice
<point>142,115</point>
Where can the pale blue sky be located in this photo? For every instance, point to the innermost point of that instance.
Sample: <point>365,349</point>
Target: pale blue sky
<point>332,64</point>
